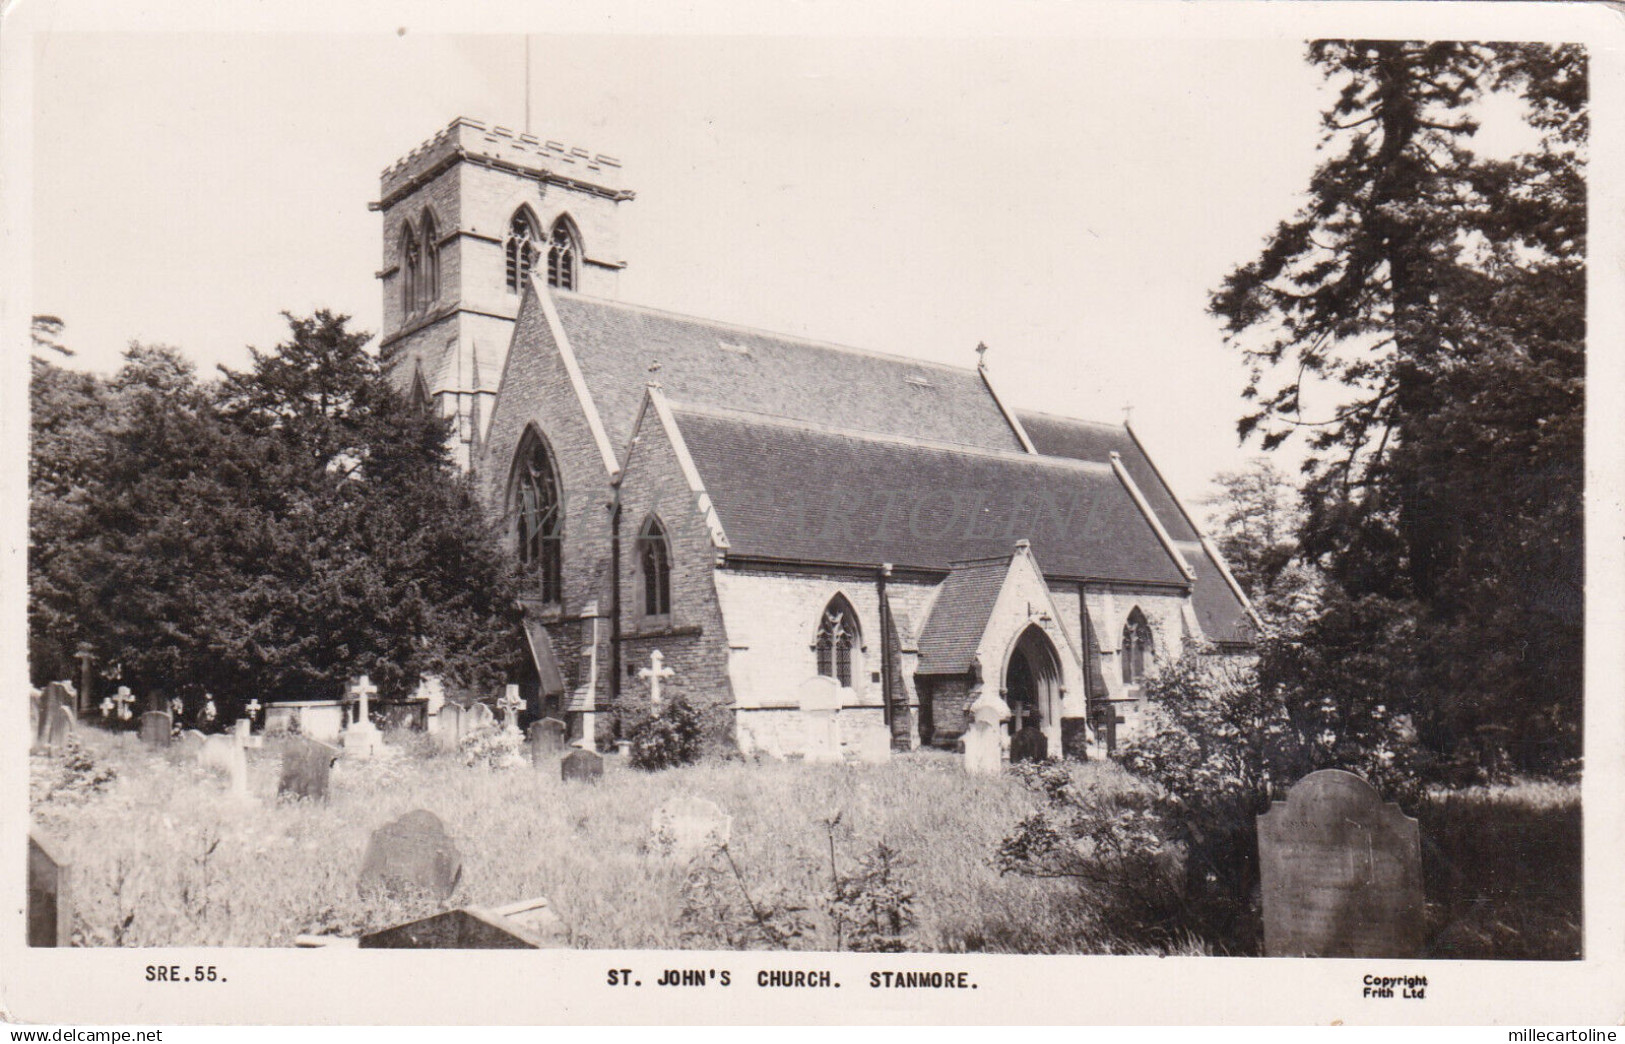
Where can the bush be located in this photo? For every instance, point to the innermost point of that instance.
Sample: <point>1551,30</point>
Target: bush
<point>493,748</point>
<point>667,738</point>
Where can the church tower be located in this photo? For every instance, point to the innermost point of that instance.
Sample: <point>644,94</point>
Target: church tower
<point>469,215</point>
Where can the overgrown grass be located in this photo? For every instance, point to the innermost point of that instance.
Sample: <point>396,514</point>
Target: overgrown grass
<point>1502,872</point>
<point>163,856</point>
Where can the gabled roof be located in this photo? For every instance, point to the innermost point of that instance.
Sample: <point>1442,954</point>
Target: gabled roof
<point>799,493</point>
<point>1224,616</point>
<point>715,364</point>
<point>959,615</point>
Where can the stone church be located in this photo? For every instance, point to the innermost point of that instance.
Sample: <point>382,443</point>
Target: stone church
<point>763,509</point>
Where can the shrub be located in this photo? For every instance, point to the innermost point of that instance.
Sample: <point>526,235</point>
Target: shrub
<point>872,909</point>
<point>669,737</point>
<point>74,777</point>
<point>493,748</point>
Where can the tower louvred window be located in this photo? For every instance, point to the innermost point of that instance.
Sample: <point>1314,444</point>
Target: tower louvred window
<point>561,256</point>
<point>521,249</point>
<point>429,281</point>
<point>411,269</point>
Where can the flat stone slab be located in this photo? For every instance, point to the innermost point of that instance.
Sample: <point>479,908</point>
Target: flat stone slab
<point>50,906</point>
<point>1341,872</point>
<point>411,855</point>
<point>470,928</point>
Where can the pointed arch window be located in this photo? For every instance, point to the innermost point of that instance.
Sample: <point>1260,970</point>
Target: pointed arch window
<point>837,641</point>
<point>1137,648</point>
<point>654,563</point>
<point>521,248</point>
<point>429,280</point>
<point>562,254</point>
<point>538,525</point>
<point>411,264</point>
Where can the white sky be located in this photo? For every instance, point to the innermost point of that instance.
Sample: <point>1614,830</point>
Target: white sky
<point>1069,201</point>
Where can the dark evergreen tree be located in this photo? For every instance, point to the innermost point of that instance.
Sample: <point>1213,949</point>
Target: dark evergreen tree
<point>1426,310</point>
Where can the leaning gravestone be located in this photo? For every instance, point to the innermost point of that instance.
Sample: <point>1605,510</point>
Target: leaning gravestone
<point>306,766</point>
<point>820,701</point>
<point>412,855</point>
<point>685,827</point>
<point>581,766</point>
<point>156,728</point>
<point>50,910</point>
<point>546,741</point>
<point>1029,744</point>
<point>1341,872</point>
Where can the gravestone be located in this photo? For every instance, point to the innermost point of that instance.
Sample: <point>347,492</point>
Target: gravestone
<point>223,754</point>
<point>984,738</point>
<point>361,738</point>
<point>156,728</point>
<point>63,726</point>
<point>192,741</point>
<point>479,717</point>
<point>242,731</point>
<point>820,701</point>
<point>35,698</point>
<point>50,907</point>
<point>685,827</point>
<point>1029,744</point>
<point>546,741</point>
<point>1341,872</point>
<point>874,745</point>
<point>470,928</point>
<point>57,694</point>
<point>411,856</point>
<point>306,766</point>
<point>451,726</point>
<point>581,766</point>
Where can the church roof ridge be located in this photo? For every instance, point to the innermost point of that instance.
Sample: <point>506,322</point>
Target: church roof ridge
<point>1047,415</point>
<point>758,331</point>
<point>1020,456</point>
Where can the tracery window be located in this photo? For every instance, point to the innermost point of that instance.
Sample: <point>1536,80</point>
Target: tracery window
<point>1137,648</point>
<point>521,248</point>
<point>429,282</point>
<point>561,256</point>
<point>411,264</point>
<point>654,561</point>
<point>837,638</point>
<point>538,526</point>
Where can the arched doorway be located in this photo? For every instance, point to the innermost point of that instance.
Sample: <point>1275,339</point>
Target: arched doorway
<point>1032,682</point>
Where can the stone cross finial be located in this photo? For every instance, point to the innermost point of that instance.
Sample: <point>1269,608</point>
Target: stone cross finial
<point>124,697</point>
<point>653,673</point>
<point>1128,412</point>
<point>981,354</point>
<point>361,688</point>
<point>509,705</point>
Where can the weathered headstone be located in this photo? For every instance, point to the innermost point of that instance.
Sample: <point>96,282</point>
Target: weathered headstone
<point>984,738</point>
<point>192,741</point>
<point>50,906</point>
<point>451,726</point>
<point>412,855</point>
<point>1341,872</point>
<point>820,701</point>
<point>35,699</point>
<point>156,728</point>
<point>63,726</point>
<point>685,827</point>
<point>479,717</point>
<point>1029,744</point>
<point>306,766</point>
<point>57,694</point>
<point>223,754</point>
<point>546,741</point>
<point>470,928</point>
<point>581,766</point>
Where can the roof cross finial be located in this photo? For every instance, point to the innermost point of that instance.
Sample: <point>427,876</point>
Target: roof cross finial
<point>981,354</point>
<point>1128,413</point>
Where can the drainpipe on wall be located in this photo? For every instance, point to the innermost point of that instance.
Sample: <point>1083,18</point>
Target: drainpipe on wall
<point>614,507</point>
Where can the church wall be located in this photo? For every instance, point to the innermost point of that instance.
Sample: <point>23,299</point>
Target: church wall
<point>1110,606</point>
<point>536,390</point>
<point>950,697</point>
<point>694,641</point>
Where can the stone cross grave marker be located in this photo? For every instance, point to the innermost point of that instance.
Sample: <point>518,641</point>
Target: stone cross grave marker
<point>306,766</point>
<point>123,697</point>
<point>820,701</point>
<point>581,766</point>
<point>985,736</point>
<point>412,855</point>
<point>654,674</point>
<point>546,741</point>
<point>685,827</point>
<point>361,739</point>
<point>1029,744</point>
<point>510,705</point>
<point>224,754</point>
<point>252,708</point>
<point>1341,872</point>
<point>50,905</point>
<point>156,728</point>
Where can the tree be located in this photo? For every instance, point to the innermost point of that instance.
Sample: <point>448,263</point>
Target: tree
<point>272,535</point>
<point>1255,520</point>
<point>1431,302</point>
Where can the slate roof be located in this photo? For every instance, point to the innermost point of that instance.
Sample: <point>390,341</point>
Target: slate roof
<point>1222,615</point>
<point>798,493</point>
<point>959,616</point>
<point>715,364</point>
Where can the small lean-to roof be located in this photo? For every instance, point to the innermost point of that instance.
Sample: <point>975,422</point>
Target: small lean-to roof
<point>959,615</point>
<point>1223,616</point>
<point>797,493</point>
<point>715,364</point>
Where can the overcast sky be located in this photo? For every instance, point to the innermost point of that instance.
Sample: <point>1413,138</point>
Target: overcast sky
<point>1069,201</point>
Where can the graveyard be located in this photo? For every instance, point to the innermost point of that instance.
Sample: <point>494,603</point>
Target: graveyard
<point>247,839</point>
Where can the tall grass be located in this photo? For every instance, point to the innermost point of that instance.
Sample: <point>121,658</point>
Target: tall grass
<point>163,856</point>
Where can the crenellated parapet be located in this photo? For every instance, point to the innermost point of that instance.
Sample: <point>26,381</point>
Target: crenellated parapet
<point>472,141</point>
